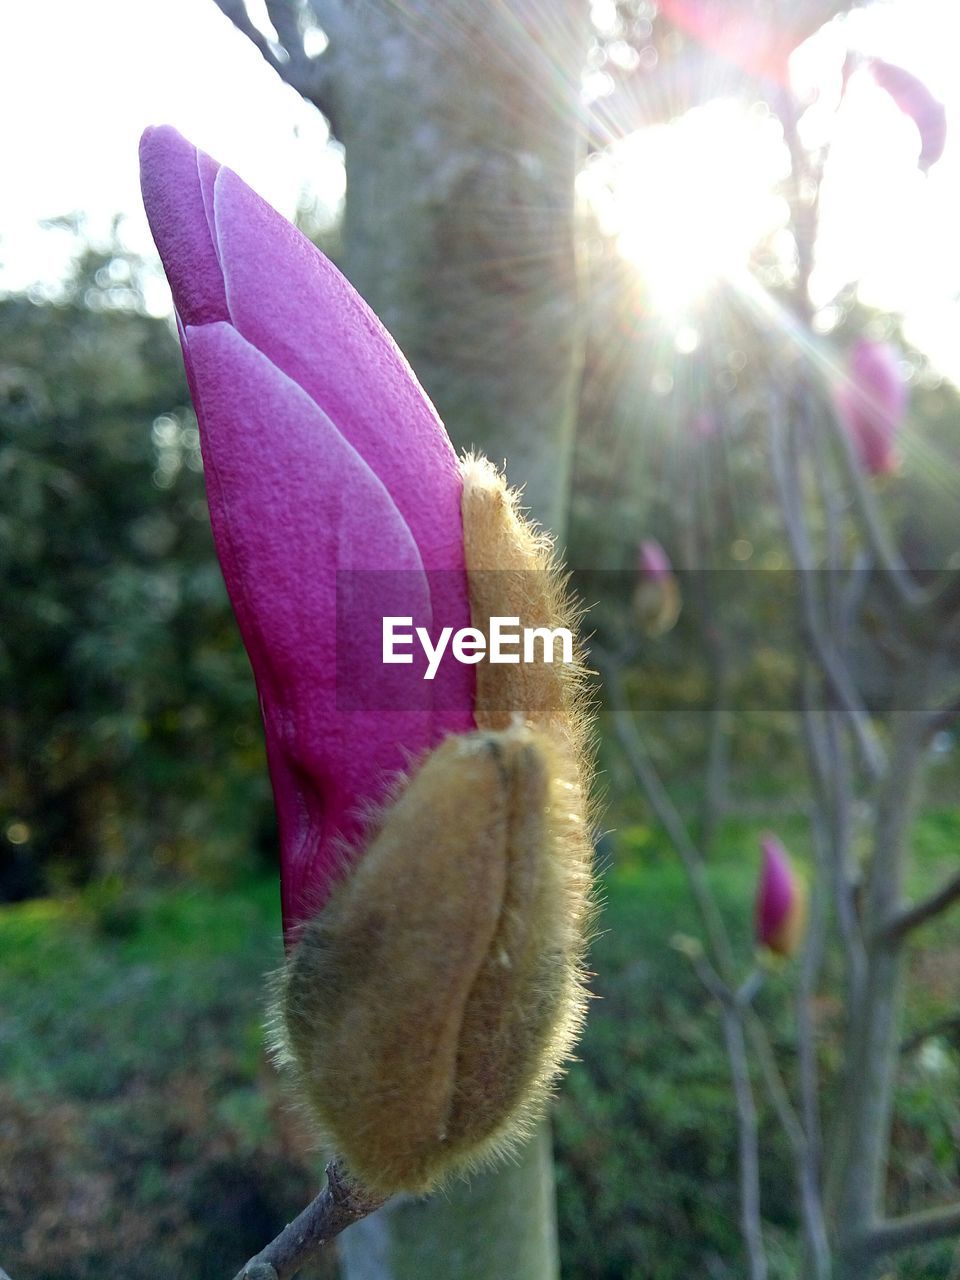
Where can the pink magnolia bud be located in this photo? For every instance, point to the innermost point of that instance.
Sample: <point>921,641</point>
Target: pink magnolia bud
<point>653,561</point>
<point>322,456</point>
<point>656,600</point>
<point>434,857</point>
<point>704,425</point>
<point>781,907</point>
<point>916,101</point>
<point>872,403</point>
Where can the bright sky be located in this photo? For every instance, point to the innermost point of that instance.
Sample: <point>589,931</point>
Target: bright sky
<point>79,80</point>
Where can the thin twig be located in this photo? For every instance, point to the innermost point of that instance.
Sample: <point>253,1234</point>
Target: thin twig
<point>937,1028</point>
<point>340,1204</point>
<point>925,1227</point>
<point>311,77</point>
<point>721,984</point>
<point>904,922</point>
<point>943,717</point>
<point>785,469</point>
<point>732,1007</point>
<point>748,1128</point>
<point>637,757</point>
<point>810,1157</point>
<point>827,759</point>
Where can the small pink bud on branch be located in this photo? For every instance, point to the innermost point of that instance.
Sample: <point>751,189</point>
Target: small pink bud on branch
<point>781,904</point>
<point>656,599</point>
<point>872,404</point>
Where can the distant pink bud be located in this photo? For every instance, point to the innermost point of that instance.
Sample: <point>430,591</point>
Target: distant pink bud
<point>656,601</point>
<point>653,561</point>
<point>872,403</point>
<point>916,101</point>
<point>704,425</point>
<point>781,907</point>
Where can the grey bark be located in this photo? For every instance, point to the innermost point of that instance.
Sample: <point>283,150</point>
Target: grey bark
<point>461,125</point>
<point>862,1136</point>
<point>501,1224</point>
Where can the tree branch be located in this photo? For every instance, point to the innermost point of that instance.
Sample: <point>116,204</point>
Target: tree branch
<point>635,751</point>
<point>339,1205</point>
<point>937,1028</point>
<point>916,1228</point>
<point>904,922</point>
<point>310,77</point>
<point>721,984</point>
<point>236,11</point>
<point>750,1221</point>
<point>831,664</point>
<point>733,1005</point>
<point>943,717</point>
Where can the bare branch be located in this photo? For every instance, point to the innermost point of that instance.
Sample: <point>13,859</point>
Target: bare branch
<point>829,769</point>
<point>236,11</point>
<point>310,77</point>
<point>830,662</point>
<point>639,761</point>
<point>906,593</point>
<point>896,929</point>
<point>914,1229</point>
<point>809,1155</point>
<point>749,1143</point>
<point>937,1028</point>
<point>944,717</point>
<point>722,985</point>
<point>339,1205</point>
<point>732,1007</point>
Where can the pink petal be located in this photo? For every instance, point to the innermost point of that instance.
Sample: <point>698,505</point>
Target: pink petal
<point>292,504</point>
<point>652,561</point>
<point>872,403</point>
<point>291,302</point>
<point>174,203</point>
<point>916,101</point>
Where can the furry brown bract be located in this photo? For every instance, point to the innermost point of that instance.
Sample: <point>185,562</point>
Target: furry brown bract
<point>428,1009</point>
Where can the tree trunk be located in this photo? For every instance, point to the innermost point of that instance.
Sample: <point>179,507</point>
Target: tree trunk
<point>461,127</point>
<point>862,1136</point>
<point>503,1224</point>
<point>462,132</point>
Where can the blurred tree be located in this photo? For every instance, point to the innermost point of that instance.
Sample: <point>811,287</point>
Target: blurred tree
<point>121,674</point>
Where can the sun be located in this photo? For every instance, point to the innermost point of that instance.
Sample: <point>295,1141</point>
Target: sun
<point>689,201</point>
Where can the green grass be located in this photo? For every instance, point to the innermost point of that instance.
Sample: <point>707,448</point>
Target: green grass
<point>140,1119</point>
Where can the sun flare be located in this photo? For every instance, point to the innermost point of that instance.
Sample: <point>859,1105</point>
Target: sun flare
<point>689,201</point>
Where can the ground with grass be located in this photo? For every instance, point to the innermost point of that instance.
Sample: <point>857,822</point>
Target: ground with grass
<point>143,1131</point>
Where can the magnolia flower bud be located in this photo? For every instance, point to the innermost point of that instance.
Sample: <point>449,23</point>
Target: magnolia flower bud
<point>426,1005</point>
<point>872,404</point>
<point>435,862</point>
<point>656,599</point>
<point>781,905</point>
